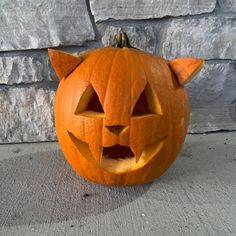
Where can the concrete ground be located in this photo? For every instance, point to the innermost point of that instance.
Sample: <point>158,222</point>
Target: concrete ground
<point>40,195</point>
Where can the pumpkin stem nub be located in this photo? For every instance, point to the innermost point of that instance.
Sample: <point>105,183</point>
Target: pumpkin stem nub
<point>121,40</point>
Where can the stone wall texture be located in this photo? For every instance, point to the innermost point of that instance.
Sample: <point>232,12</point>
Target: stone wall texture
<point>170,28</point>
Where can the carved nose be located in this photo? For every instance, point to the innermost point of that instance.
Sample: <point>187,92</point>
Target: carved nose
<point>115,129</point>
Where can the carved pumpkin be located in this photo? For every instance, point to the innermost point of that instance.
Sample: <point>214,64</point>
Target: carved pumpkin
<point>121,114</point>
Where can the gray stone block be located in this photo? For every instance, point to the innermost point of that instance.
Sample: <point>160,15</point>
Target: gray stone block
<point>146,9</point>
<point>227,5</point>
<point>25,69</point>
<point>207,37</point>
<point>41,24</point>
<point>26,115</point>
<point>213,98</point>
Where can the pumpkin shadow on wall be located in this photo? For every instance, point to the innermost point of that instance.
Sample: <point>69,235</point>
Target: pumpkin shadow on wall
<point>42,188</point>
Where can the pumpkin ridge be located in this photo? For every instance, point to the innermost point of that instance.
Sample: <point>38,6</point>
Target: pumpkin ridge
<point>146,81</point>
<point>110,70</point>
<point>128,62</point>
<point>95,62</point>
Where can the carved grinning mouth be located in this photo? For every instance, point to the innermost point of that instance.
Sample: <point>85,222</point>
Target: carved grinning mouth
<point>118,159</point>
<point>117,152</point>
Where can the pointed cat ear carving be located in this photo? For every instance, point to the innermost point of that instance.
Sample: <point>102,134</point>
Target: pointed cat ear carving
<point>63,63</point>
<point>186,68</point>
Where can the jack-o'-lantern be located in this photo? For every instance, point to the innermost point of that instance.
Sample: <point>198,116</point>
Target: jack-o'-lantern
<point>121,114</point>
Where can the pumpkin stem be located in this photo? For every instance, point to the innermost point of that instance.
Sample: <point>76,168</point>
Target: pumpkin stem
<point>121,40</point>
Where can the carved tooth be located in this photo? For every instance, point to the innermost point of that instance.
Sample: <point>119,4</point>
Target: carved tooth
<point>137,157</point>
<point>106,156</point>
<point>100,153</point>
<point>96,151</point>
<point>138,154</point>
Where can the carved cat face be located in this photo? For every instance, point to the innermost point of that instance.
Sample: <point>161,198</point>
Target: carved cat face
<point>121,111</point>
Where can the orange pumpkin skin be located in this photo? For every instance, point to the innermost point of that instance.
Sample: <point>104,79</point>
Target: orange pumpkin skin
<point>119,76</point>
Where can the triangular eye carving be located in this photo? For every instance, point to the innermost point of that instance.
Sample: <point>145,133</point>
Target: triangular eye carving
<point>94,104</point>
<point>147,103</point>
<point>89,102</point>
